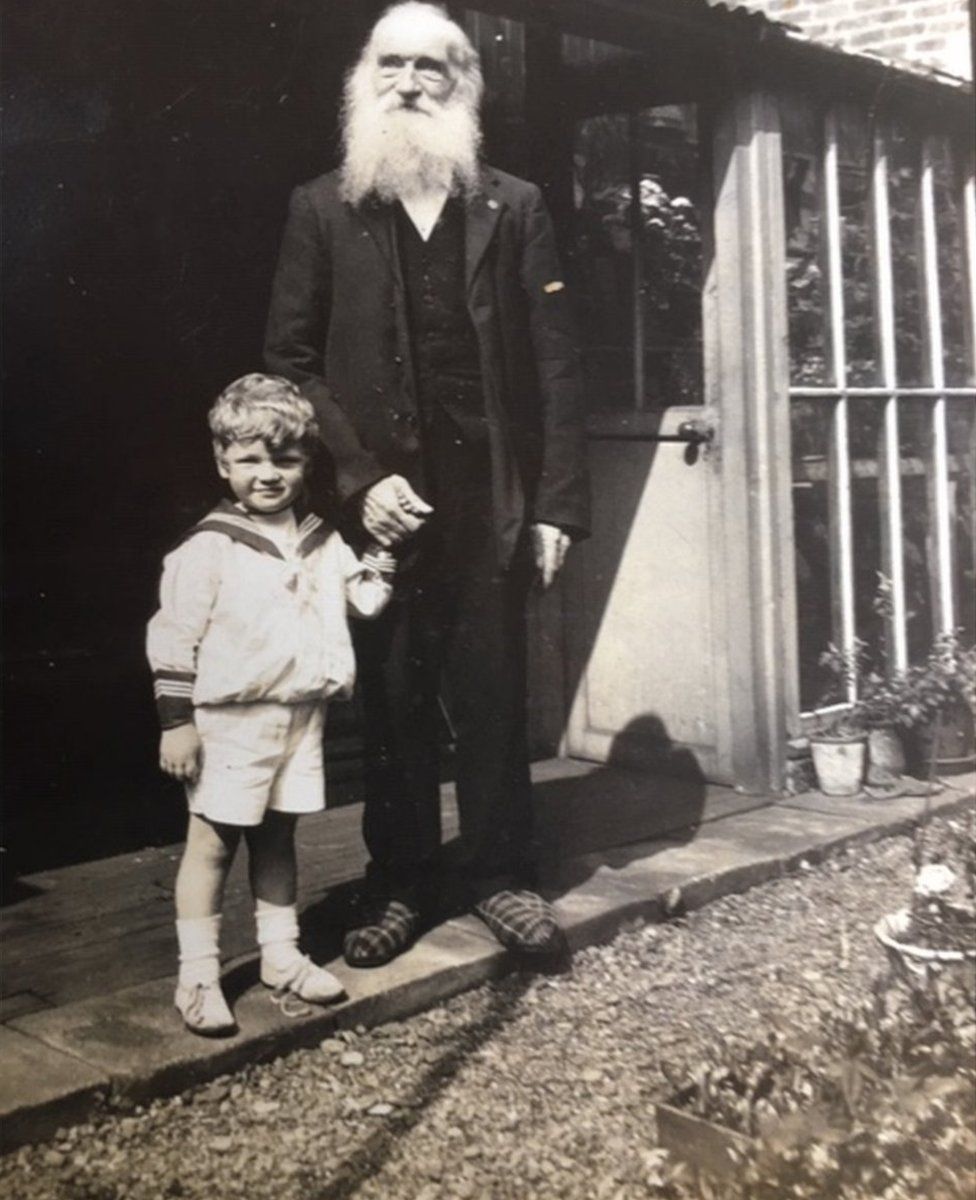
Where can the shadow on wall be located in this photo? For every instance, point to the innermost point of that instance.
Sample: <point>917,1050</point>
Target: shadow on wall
<point>564,623</point>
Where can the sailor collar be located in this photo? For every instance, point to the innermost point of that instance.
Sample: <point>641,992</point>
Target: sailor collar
<point>241,527</point>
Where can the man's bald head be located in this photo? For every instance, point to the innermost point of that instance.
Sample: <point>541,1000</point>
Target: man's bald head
<point>410,119</point>
<point>415,24</point>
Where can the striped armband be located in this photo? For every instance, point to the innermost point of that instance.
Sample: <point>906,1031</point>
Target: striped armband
<point>377,559</point>
<point>174,697</point>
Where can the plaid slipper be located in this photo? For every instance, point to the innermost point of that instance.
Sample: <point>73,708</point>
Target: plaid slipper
<point>522,921</point>
<point>386,932</point>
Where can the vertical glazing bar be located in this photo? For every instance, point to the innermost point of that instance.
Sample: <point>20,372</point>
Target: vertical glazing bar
<point>637,266</point>
<point>891,490</point>
<point>933,330</point>
<point>969,236</point>
<point>842,549</point>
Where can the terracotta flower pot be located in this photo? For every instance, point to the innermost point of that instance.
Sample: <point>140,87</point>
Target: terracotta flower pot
<point>702,1144</point>
<point>840,764</point>
<point>949,743</point>
<point>886,755</point>
<point>893,932</point>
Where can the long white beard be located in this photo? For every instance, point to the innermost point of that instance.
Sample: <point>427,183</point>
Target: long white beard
<point>398,153</point>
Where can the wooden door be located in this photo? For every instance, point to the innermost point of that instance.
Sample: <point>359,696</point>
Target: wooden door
<point>677,612</point>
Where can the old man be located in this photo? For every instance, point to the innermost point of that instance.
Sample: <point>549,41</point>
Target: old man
<point>419,302</point>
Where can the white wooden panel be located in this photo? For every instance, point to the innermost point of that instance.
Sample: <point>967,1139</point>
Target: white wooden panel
<point>639,606</point>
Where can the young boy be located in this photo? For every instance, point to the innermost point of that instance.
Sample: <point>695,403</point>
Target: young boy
<point>250,640</point>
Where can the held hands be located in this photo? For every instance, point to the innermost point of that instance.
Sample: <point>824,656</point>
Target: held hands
<point>392,510</point>
<point>549,546</point>
<point>179,753</point>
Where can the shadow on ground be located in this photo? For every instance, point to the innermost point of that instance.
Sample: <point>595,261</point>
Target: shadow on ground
<point>369,1158</point>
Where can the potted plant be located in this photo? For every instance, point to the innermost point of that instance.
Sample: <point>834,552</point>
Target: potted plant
<point>938,926</point>
<point>885,715</point>
<point>839,748</point>
<point>939,699</point>
<point>920,718</point>
<point>838,741</point>
<point>849,1107</point>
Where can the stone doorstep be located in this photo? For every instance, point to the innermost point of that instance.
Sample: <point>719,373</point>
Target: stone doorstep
<point>129,1047</point>
<point>132,1045</point>
<point>41,1089</point>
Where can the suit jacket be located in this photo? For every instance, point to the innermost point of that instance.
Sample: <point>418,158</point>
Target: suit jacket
<point>338,327</point>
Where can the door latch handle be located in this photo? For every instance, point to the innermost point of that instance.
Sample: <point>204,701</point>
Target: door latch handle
<point>696,433</point>
<point>692,433</point>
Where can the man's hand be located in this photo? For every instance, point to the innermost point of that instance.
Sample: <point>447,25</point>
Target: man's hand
<point>549,546</point>
<point>392,510</point>
<point>180,753</point>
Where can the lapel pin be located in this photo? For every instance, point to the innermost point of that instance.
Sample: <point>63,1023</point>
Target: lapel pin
<point>492,203</point>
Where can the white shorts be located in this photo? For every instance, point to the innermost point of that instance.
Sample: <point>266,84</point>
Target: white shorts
<point>258,757</point>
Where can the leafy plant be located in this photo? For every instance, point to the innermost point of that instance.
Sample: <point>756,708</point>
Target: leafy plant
<point>898,699</point>
<point>943,907</point>
<point>879,1101</point>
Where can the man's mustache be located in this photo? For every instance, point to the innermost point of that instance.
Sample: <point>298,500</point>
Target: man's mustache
<point>405,104</point>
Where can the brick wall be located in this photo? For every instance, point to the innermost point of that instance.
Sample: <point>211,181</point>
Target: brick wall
<point>927,32</point>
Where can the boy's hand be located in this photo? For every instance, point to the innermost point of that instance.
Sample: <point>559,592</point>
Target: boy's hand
<point>392,510</point>
<point>179,753</point>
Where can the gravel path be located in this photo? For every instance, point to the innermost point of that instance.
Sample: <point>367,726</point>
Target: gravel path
<point>531,1087</point>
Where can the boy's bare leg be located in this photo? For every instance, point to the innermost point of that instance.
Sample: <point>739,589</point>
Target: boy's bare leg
<point>200,881</point>
<point>272,866</point>
<point>273,876</point>
<point>206,861</point>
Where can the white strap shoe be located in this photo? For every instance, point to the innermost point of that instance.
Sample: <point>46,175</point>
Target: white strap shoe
<point>204,1009</point>
<point>302,978</point>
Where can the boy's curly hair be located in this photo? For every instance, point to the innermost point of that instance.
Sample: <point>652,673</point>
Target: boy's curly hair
<point>268,407</point>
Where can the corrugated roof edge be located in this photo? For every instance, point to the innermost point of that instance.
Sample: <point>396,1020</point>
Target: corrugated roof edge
<point>903,66</point>
<point>796,34</point>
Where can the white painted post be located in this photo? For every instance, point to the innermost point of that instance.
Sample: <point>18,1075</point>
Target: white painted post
<point>842,555</point>
<point>945,617</point>
<point>892,517</point>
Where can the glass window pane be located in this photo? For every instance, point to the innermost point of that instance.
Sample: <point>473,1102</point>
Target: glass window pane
<point>500,42</point>
<point>854,179</point>
<point>671,255</point>
<point>657,148</point>
<point>811,421</point>
<point>915,429</point>
<point>952,265</point>
<point>805,279</point>
<point>587,52</point>
<point>961,417</point>
<point>603,259</point>
<point>904,156</point>
<point>865,424</point>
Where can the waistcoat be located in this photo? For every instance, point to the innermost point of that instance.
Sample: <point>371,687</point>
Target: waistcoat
<point>444,341</point>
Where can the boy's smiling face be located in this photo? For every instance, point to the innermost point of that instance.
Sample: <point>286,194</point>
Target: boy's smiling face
<point>264,479</point>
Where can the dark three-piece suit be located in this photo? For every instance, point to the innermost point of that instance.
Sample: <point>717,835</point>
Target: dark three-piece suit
<point>450,362</point>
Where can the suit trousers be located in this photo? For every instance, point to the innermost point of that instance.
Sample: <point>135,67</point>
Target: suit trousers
<point>454,634</point>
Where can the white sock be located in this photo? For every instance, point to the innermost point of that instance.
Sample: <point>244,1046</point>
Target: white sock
<point>199,939</point>
<point>277,934</point>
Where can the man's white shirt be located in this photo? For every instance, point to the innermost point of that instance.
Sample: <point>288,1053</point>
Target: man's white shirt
<point>424,210</point>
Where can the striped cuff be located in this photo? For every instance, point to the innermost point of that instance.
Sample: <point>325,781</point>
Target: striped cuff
<point>174,697</point>
<point>378,559</point>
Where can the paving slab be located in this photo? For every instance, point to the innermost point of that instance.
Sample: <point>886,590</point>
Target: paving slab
<point>42,1089</point>
<point>888,810</point>
<point>132,1039</point>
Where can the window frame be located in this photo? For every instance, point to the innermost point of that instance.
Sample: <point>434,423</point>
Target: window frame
<point>841,395</point>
